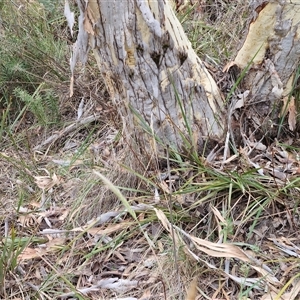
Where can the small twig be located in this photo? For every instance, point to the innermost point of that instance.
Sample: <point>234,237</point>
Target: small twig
<point>164,287</point>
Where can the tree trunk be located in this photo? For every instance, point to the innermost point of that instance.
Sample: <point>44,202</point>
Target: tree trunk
<point>272,48</point>
<point>158,83</point>
<point>151,71</point>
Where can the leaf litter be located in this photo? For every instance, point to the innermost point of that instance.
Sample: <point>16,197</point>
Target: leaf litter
<point>80,242</point>
<point>122,249</point>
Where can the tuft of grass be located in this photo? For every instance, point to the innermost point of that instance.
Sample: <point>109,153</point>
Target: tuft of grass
<point>10,247</point>
<point>215,27</point>
<point>33,61</point>
<point>117,227</point>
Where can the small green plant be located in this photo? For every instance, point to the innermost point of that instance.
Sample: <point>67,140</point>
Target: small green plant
<point>32,62</point>
<point>10,248</point>
<point>42,105</point>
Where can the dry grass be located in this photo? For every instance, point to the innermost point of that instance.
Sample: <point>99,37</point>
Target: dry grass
<point>67,235</point>
<point>216,28</point>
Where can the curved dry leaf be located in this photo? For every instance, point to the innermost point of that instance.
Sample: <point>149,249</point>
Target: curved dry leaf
<point>31,253</point>
<point>210,248</point>
<point>28,220</point>
<point>228,66</point>
<point>47,182</point>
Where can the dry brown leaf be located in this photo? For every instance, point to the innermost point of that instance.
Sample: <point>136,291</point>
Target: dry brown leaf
<point>219,250</point>
<point>28,220</point>
<point>163,185</point>
<point>146,295</point>
<point>162,217</point>
<point>213,249</point>
<point>64,215</point>
<point>31,253</point>
<point>217,214</point>
<point>226,251</point>
<point>284,109</point>
<point>292,114</point>
<point>289,107</point>
<point>53,244</point>
<point>47,182</point>
<point>34,204</point>
<point>228,66</point>
<point>192,291</point>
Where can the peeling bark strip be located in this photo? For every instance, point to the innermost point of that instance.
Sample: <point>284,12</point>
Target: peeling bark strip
<point>146,60</point>
<point>274,37</point>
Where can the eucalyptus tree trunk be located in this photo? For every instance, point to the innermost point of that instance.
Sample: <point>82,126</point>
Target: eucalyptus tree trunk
<point>151,71</point>
<point>158,83</point>
<point>271,51</point>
